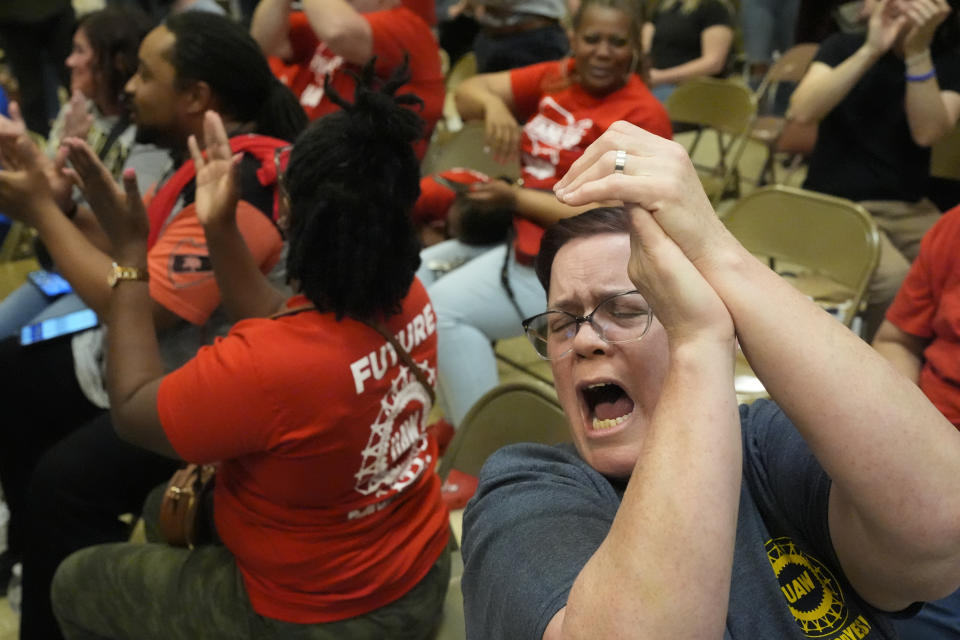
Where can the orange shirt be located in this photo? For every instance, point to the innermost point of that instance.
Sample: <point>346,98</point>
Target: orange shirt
<point>928,306</point>
<point>396,32</point>
<point>326,493</point>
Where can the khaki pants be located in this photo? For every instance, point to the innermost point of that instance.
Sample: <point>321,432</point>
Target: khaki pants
<point>902,225</point>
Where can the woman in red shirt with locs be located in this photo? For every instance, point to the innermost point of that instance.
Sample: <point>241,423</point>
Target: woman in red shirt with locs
<point>326,501</point>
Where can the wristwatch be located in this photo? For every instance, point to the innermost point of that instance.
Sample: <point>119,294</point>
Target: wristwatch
<point>118,273</point>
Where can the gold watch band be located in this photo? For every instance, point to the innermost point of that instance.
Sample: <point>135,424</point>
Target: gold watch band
<point>118,273</point>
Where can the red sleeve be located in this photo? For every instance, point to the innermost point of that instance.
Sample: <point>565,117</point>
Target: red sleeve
<point>526,83</point>
<point>181,276</point>
<point>303,41</point>
<point>217,406</point>
<point>388,29</point>
<point>917,301</point>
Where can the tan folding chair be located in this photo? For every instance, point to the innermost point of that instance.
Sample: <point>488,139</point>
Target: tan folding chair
<point>466,148</point>
<point>509,413</point>
<point>728,108</point>
<point>945,157</point>
<point>825,246</point>
<point>767,129</point>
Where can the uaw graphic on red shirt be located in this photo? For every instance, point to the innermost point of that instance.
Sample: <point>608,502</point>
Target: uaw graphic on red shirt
<point>396,454</point>
<point>551,131</point>
<point>322,63</point>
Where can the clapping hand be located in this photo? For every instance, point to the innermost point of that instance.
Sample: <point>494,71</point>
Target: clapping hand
<point>885,25</point>
<point>77,120</point>
<point>60,184</point>
<point>925,16</point>
<point>120,211</point>
<point>24,185</point>
<point>217,193</point>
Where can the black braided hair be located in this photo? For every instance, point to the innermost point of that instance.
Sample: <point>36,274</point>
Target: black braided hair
<point>352,180</point>
<point>218,51</point>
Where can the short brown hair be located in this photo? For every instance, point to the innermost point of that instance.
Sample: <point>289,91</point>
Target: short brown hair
<point>594,222</point>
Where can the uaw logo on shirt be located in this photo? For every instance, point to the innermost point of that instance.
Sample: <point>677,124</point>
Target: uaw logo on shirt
<point>812,594</point>
<point>323,63</point>
<point>552,130</point>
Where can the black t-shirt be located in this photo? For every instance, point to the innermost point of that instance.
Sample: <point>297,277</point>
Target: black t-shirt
<point>676,38</point>
<point>864,150</point>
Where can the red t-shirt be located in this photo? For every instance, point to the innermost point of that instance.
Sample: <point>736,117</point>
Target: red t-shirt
<point>562,120</point>
<point>326,493</point>
<point>928,306</point>
<point>396,32</point>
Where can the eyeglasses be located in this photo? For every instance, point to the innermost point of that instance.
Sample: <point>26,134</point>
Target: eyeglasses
<point>623,317</point>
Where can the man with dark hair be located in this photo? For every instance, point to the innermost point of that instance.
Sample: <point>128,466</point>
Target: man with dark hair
<point>332,37</point>
<point>66,484</point>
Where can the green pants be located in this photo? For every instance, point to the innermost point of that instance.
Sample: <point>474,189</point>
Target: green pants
<point>155,591</point>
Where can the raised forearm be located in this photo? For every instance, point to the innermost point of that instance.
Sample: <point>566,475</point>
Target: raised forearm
<point>883,444</point>
<point>344,31</point>
<point>823,87</point>
<point>270,26</point>
<point>79,261</point>
<point>927,115</point>
<point>664,568</point>
<point>245,292</point>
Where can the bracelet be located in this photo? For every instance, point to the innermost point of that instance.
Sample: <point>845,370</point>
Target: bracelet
<point>922,77</point>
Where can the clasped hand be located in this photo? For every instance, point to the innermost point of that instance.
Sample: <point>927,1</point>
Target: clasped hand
<point>676,237</point>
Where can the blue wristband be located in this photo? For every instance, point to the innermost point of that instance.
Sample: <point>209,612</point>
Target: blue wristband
<point>922,77</point>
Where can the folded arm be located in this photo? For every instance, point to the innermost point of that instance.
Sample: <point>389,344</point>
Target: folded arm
<point>901,349</point>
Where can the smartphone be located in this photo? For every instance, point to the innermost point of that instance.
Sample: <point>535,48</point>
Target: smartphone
<point>458,188</point>
<point>50,284</point>
<point>59,326</point>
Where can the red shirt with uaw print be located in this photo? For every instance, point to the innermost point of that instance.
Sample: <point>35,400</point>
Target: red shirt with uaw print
<point>396,32</point>
<point>561,120</point>
<point>326,493</point>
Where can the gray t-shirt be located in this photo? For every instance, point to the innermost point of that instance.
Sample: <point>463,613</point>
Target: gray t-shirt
<point>540,512</point>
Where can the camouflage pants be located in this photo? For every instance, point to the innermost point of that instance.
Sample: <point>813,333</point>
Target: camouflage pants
<point>155,591</point>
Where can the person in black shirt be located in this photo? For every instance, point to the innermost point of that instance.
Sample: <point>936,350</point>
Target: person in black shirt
<point>881,100</point>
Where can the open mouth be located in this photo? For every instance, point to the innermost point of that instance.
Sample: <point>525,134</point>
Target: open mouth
<point>608,405</point>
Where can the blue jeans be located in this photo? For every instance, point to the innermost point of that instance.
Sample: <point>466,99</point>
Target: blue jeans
<point>473,309</point>
<point>768,26</point>
<point>939,620</point>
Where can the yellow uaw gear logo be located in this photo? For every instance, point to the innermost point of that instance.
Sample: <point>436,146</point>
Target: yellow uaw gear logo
<point>812,593</point>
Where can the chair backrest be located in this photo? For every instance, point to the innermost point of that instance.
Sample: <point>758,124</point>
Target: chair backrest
<point>832,237</point>
<point>791,66</point>
<point>724,105</point>
<point>512,412</point>
<point>945,157</point>
<point>729,109</point>
<point>465,148</point>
